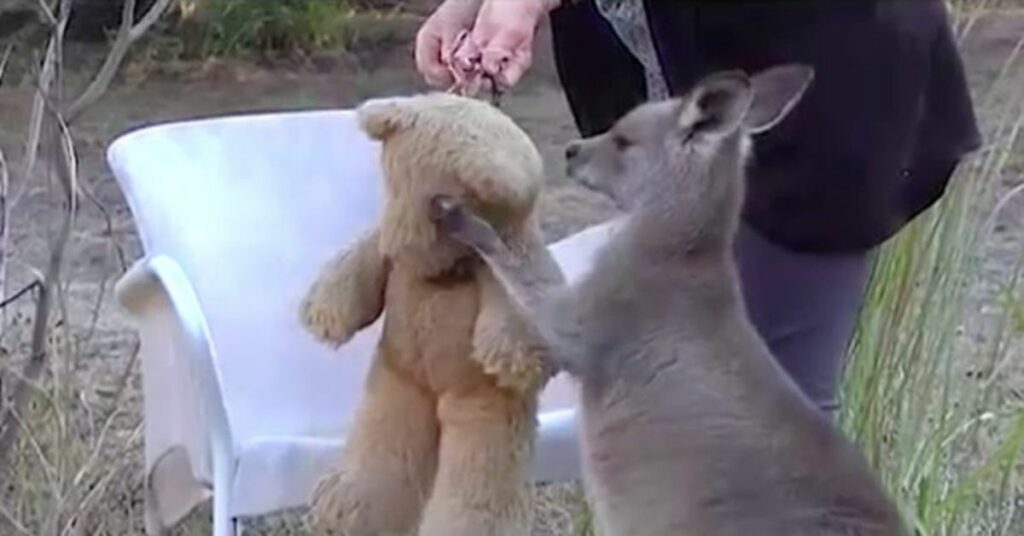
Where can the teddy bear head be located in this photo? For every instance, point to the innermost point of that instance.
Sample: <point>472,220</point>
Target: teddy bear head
<point>438,143</point>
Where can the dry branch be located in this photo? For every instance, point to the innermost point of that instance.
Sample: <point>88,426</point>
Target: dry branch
<point>47,13</point>
<point>49,123</point>
<point>108,224</point>
<point>61,165</point>
<point>5,181</point>
<point>47,289</point>
<point>13,522</point>
<point>126,36</point>
<point>44,83</point>
<point>17,295</point>
<point>4,60</point>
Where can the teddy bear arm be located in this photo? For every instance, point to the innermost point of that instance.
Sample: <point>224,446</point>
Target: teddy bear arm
<point>348,295</point>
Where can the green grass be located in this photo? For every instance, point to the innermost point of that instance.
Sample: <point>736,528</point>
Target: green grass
<point>296,27</point>
<point>226,27</point>
<point>922,392</point>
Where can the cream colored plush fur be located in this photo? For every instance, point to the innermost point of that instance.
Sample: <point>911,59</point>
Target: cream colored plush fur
<point>444,433</point>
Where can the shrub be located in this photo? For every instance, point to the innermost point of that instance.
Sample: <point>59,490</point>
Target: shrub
<point>225,27</point>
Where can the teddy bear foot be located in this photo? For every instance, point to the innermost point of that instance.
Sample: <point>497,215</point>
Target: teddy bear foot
<point>475,527</point>
<point>339,510</point>
<point>471,518</point>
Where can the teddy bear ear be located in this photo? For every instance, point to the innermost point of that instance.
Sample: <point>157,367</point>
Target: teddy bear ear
<point>380,118</point>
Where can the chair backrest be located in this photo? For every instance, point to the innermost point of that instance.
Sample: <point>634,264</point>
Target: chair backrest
<point>251,207</point>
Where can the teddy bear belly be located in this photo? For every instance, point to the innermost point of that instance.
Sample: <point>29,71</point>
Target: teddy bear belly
<point>428,333</point>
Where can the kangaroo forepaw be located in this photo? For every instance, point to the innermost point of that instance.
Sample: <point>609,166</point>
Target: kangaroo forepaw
<point>462,225</point>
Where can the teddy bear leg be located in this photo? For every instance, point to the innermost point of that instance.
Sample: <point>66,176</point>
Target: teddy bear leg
<point>387,465</point>
<point>482,484</point>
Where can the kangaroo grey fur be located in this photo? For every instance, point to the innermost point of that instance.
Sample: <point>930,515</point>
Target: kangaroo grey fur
<point>689,425</point>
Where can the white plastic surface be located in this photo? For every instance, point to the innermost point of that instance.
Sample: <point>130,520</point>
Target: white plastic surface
<point>236,216</point>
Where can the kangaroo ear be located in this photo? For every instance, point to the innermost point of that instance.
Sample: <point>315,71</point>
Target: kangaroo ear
<point>380,118</point>
<point>776,91</point>
<point>717,104</point>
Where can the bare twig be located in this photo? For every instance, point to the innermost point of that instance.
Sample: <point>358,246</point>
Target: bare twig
<point>90,413</point>
<point>108,423</point>
<point>50,154</point>
<point>126,374</point>
<point>5,182</point>
<point>62,370</point>
<point>44,85</point>
<point>97,309</point>
<point>48,469</point>
<point>17,295</point>
<point>44,8</point>
<point>100,486</point>
<point>101,441</point>
<point>118,253</point>
<point>3,60</point>
<point>13,522</point>
<point>61,160</point>
<point>108,223</point>
<point>128,33</point>
<point>1004,200</point>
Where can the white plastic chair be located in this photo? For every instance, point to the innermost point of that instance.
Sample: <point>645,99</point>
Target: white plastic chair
<point>236,216</point>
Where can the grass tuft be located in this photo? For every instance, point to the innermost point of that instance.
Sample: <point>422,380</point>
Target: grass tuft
<point>922,392</point>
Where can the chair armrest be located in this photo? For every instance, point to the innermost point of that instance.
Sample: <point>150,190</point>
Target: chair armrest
<point>144,281</point>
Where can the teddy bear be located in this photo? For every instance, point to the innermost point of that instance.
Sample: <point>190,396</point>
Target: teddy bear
<point>443,436</point>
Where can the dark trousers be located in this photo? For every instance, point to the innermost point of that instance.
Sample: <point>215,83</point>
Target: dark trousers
<point>805,307</point>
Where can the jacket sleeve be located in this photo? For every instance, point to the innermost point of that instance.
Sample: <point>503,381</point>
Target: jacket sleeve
<point>601,78</point>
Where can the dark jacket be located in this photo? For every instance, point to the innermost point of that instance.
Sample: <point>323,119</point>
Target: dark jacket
<point>874,141</point>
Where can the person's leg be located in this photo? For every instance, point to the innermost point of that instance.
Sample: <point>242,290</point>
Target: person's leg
<point>805,306</point>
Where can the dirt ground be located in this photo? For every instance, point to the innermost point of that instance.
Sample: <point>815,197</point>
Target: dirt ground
<point>151,93</point>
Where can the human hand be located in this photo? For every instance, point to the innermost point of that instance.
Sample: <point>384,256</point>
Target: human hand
<point>438,38</point>
<point>502,38</point>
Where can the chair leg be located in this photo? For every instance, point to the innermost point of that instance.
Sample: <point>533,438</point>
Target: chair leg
<point>223,523</point>
<point>223,478</point>
<point>222,527</point>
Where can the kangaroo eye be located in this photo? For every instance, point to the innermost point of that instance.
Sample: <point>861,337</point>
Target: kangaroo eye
<point>621,142</point>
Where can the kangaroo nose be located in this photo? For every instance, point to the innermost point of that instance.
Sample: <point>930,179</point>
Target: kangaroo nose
<point>572,150</point>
